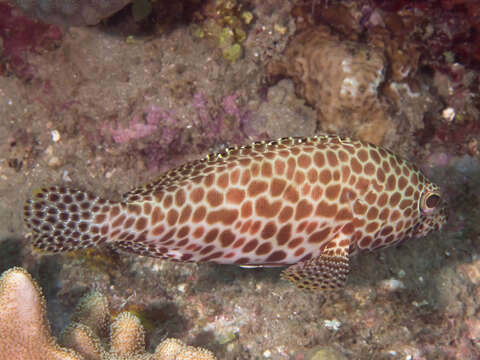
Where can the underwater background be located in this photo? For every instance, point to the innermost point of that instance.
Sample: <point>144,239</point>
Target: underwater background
<point>107,95</point>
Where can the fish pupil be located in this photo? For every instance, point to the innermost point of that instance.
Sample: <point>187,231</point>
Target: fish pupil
<point>432,201</point>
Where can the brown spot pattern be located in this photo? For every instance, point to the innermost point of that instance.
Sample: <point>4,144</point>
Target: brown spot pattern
<point>226,238</point>
<point>264,249</point>
<point>257,187</point>
<point>304,209</point>
<point>325,176</point>
<point>199,214</point>
<point>269,230</point>
<point>319,236</point>
<point>278,255</point>
<point>224,216</point>
<point>250,246</point>
<point>235,196</point>
<point>291,194</point>
<point>277,186</point>
<point>266,209</point>
<point>141,223</point>
<point>325,209</point>
<point>268,199</point>
<point>214,198</point>
<point>246,210</point>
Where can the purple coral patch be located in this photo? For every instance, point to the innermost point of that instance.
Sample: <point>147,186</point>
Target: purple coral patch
<point>137,128</point>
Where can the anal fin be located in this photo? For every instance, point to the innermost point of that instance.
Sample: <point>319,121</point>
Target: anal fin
<point>328,271</point>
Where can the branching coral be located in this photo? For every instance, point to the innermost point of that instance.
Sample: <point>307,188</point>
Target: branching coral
<point>90,320</point>
<point>26,333</point>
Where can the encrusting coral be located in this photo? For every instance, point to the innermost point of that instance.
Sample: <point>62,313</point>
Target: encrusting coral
<point>26,333</point>
<point>340,79</point>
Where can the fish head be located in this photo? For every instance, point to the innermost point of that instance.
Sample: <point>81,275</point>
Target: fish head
<point>431,210</point>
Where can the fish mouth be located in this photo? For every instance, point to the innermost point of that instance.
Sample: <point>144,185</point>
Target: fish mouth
<point>431,223</point>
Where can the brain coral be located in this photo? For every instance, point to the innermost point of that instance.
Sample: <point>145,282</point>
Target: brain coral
<point>70,12</point>
<point>341,79</point>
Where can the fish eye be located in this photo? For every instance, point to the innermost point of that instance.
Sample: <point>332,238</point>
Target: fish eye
<point>429,201</point>
<point>432,200</point>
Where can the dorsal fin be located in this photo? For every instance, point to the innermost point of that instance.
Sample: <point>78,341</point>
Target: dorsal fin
<point>190,169</point>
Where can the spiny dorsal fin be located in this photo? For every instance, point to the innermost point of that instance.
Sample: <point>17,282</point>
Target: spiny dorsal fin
<point>187,171</point>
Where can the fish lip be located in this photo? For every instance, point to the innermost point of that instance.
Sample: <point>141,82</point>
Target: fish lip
<point>438,220</point>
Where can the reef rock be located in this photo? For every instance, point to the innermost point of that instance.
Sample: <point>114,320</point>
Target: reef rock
<point>341,80</point>
<point>70,12</point>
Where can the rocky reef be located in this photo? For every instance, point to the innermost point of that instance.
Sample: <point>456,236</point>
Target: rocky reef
<point>380,70</point>
<point>341,80</point>
<point>70,12</point>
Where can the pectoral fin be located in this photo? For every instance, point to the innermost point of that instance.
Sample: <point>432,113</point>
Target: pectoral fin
<point>328,271</point>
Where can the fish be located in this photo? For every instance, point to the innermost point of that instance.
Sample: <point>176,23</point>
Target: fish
<point>307,203</point>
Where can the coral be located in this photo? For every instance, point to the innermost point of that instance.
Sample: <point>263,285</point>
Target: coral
<point>86,336</point>
<point>458,127</point>
<point>18,36</point>
<point>26,333</point>
<point>426,65</point>
<point>225,22</point>
<point>228,122</point>
<point>70,12</point>
<point>173,349</point>
<point>341,80</point>
<point>454,26</point>
<point>446,32</point>
<point>155,119</point>
<point>210,126</point>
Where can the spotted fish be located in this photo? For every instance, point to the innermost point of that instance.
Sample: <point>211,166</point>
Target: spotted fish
<point>309,203</point>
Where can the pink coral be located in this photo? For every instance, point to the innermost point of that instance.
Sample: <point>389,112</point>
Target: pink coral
<point>228,123</point>
<point>231,122</point>
<point>210,125</point>
<point>155,118</point>
<point>135,130</point>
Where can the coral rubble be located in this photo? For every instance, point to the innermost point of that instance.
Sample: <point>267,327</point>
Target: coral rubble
<point>26,333</point>
<point>70,12</point>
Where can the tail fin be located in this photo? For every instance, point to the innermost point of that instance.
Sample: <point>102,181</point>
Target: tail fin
<point>63,219</point>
